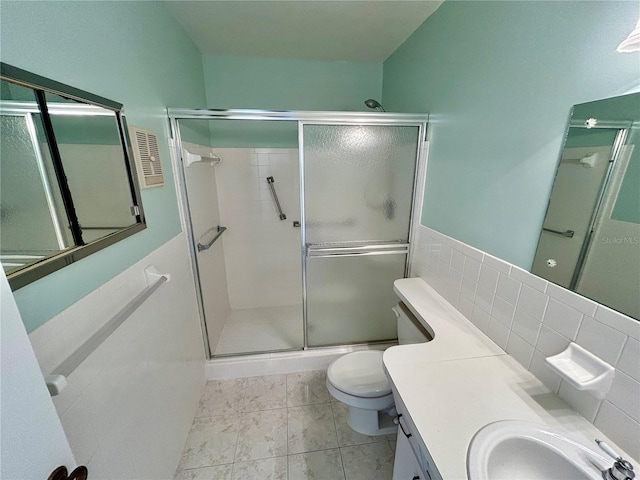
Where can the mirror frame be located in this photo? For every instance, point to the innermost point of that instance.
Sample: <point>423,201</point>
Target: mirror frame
<point>48,265</point>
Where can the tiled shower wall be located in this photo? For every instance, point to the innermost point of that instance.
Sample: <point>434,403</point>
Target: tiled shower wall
<point>531,319</point>
<point>262,252</point>
<point>200,178</point>
<point>128,407</point>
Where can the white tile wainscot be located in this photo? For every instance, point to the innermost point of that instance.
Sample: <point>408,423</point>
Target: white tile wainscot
<point>450,393</point>
<point>532,319</point>
<point>128,407</point>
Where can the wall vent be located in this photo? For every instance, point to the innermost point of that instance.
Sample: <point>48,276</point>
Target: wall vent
<point>147,157</point>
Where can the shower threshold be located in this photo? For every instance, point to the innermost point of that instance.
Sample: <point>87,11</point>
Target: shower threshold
<point>276,363</point>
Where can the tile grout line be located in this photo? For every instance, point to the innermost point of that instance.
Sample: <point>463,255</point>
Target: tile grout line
<point>286,404</point>
<point>335,427</point>
<point>286,469</point>
<point>233,465</point>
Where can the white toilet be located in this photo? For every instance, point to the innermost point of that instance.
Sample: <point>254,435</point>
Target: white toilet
<point>358,380</point>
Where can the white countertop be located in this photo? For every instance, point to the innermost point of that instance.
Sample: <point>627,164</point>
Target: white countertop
<point>454,336</point>
<point>461,381</point>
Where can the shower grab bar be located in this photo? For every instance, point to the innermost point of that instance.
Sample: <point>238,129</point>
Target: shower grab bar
<point>57,379</point>
<point>568,233</point>
<point>270,181</point>
<point>206,246</point>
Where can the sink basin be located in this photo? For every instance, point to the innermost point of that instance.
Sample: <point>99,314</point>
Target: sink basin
<point>517,450</point>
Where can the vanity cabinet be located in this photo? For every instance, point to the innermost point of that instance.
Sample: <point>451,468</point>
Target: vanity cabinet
<point>450,388</point>
<point>412,462</point>
<point>406,465</point>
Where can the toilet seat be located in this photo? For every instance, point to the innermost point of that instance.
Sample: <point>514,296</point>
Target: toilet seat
<point>360,374</point>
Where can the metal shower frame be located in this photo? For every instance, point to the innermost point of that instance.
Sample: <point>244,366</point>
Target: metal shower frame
<point>302,118</point>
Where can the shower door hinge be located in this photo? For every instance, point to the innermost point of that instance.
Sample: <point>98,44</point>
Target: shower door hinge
<point>135,210</point>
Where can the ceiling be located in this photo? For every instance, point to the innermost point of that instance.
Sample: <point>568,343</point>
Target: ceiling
<point>350,30</point>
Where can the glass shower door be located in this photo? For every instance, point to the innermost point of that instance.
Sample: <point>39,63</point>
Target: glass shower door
<point>358,194</point>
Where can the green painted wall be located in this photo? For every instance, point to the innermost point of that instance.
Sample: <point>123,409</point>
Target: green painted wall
<point>253,133</point>
<point>283,84</point>
<point>131,52</point>
<point>499,80</point>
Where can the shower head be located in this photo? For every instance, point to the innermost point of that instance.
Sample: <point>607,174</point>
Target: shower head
<point>373,104</point>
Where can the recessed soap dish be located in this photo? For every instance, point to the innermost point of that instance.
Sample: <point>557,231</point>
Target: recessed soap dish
<point>583,370</point>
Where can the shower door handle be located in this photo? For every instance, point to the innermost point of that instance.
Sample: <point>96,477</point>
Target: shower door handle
<point>350,250</point>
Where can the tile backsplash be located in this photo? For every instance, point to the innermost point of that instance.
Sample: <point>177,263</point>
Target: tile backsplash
<point>531,319</point>
<point>261,252</point>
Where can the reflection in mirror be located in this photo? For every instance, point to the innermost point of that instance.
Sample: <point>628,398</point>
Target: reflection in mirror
<point>68,188</point>
<point>26,185</point>
<point>590,239</point>
<point>89,144</point>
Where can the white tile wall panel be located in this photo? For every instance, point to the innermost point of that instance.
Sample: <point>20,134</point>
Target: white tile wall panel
<point>585,405</point>
<point>502,311</point>
<point>532,302</point>
<point>525,277</point>
<point>480,318</point>
<point>562,318</point>
<point>484,299</point>
<point>496,263</point>
<point>520,350</point>
<point>578,302</point>
<point>261,252</point>
<point>539,368</point>
<point>532,319</point>
<point>601,340</point>
<point>472,268</point>
<point>498,333</point>
<point>526,327</point>
<point>629,362</point>
<point>618,321</point>
<point>618,426</point>
<point>468,288</point>
<point>457,261</point>
<point>488,278</point>
<point>551,342</point>
<point>508,288</point>
<point>624,394</point>
<point>128,407</point>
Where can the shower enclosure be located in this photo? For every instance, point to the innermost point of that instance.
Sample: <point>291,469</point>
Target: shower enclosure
<point>298,233</point>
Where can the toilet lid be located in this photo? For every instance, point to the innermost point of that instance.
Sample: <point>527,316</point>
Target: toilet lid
<point>360,374</point>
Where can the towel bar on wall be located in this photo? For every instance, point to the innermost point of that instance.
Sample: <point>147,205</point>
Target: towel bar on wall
<point>206,246</point>
<point>57,379</point>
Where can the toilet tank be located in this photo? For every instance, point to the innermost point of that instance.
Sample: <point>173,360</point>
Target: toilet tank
<point>410,330</point>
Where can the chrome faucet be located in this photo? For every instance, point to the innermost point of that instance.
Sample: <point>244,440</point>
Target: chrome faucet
<point>621,469</point>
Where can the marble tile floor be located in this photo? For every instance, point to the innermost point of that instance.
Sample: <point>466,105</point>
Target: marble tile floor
<point>279,427</point>
<point>261,329</point>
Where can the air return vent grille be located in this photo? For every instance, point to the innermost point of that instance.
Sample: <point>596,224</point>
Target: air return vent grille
<point>147,157</point>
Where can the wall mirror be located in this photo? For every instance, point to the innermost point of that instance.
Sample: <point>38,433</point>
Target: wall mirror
<point>590,238</point>
<point>68,186</point>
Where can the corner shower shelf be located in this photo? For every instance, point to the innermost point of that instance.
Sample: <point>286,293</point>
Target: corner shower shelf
<point>191,158</point>
<point>583,370</point>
